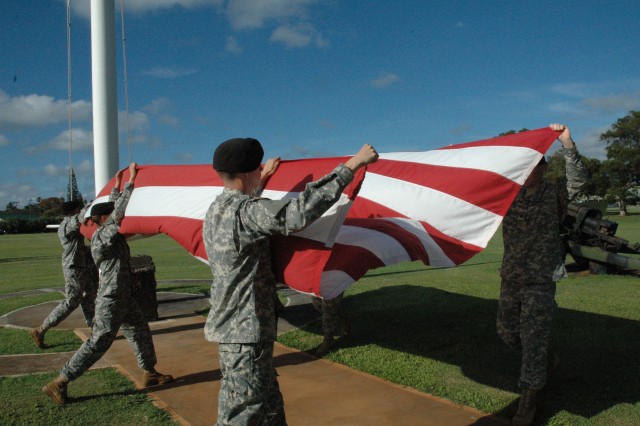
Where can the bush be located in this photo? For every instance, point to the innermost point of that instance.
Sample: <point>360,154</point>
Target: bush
<point>26,226</point>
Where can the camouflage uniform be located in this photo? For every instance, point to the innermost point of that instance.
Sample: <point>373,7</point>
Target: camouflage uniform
<point>114,305</point>
<point>242,317</point>
<point>80,274</point>
<point>533,261</point>
<point>334,318</point>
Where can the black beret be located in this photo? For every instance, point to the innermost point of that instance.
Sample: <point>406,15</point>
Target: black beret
<point>102,209</point>
<point>239,155</point>
<point>69,207</point>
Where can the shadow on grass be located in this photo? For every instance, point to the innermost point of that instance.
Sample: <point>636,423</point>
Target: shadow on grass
<point>27,259</point>
<point>83,398</point>
<point>599,353</point>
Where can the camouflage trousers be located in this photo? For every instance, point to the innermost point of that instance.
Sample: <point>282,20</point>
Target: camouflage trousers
<point>524,323</point>
<point>80,289</point>
<point>111,314</point>
<point>249,391</point>
<point>334,317</point>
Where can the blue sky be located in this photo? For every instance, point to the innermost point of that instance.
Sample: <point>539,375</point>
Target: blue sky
<point>309,78</point>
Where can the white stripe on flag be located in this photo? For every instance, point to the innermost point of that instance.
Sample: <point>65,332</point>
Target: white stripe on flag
<point>333,283</point>
<point>192,202</point>
<point>383,246</point>
<point>448,214</point>
<point>512,165</point>
<point>437,257</point>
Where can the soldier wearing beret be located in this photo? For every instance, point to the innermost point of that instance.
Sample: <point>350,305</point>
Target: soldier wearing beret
<point>114,305</point>
<point>80,273</point>
<point>532,264</point>
<point>236,236</point>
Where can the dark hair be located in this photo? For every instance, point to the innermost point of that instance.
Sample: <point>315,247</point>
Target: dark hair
<point>69,207</point>
<point>102,209</point>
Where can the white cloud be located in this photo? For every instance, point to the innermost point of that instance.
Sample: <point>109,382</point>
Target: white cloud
<point>233,46</point>
<point>138,121</point>
<point>385,80</point>
<point>169,120</point>
<point>83,8</point>
<point>620,102</point>
<point>184,157</point>
<point>168,73</point>
<point>591,146</point>
<point>601,97</point>
<point>55,171</point>
<point>81,140</point>
<point>573,90</point>
<point>246,14</point>
<point>4,141</point>
<point>37,110</point>
<point>85,167</point>
<point>241,14</point>
<point>157,106</point>
<point>563,107</point>
<point>18,192</point>
<point>298,35</point>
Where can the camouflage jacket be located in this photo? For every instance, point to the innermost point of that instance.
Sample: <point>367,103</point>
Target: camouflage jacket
<point>236,236</point>
<point>110,250</point>
<point>75,254</point>
<point>533,249</point>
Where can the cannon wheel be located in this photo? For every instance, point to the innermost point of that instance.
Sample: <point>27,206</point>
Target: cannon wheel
<point>599,268</point>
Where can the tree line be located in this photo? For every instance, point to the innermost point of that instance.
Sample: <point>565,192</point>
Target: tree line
<point>35,216</point>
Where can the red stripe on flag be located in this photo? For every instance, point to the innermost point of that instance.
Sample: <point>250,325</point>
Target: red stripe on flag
<point>458,251</point>
<point>409,241</point>
<point>343,259</point>
<point>299,262</point>
<point>539,140</point>
<point>186,232</point>
<point>484,189</point>
<point>292,176</point>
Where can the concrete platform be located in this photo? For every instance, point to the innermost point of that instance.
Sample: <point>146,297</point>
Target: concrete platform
<point>316,391</point>
<point>170,305</point>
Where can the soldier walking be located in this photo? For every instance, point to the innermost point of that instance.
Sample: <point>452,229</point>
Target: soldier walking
<point>79,270</point>
<point>114,305</point>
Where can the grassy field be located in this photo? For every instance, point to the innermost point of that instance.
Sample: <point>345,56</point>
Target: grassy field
<point>434,329</point>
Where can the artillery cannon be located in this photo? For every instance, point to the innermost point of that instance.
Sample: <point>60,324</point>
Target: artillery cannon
<point>592,242</point>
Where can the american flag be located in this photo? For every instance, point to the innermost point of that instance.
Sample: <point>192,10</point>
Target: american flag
<point>440,207</point>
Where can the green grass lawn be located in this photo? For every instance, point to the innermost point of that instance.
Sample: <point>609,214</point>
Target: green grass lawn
<point>101,397</point>
<point>33,261</point>
<point>434,329</point>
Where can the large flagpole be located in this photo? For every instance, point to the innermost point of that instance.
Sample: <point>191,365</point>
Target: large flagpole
<point>105,105</point>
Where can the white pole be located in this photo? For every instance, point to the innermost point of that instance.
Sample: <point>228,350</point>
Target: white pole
<point>105,101</point>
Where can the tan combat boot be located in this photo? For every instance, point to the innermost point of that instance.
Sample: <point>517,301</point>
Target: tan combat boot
<point>57,390</point>
<point>38,337</point>
<point>153,378</point>
<point>526,408</point>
